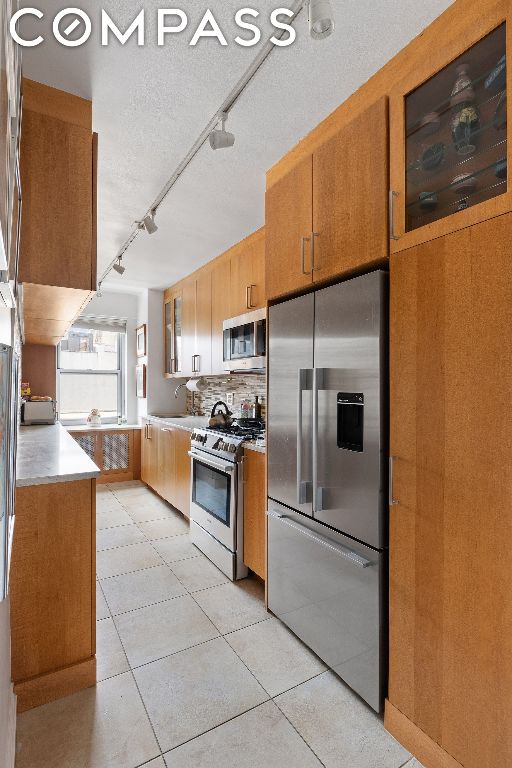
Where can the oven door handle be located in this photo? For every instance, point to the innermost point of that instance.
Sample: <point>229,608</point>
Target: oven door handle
<point>223,467</point>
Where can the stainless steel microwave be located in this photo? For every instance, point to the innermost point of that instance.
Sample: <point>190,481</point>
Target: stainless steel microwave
<point>245,342</point>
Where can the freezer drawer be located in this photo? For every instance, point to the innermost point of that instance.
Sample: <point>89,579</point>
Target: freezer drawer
<point>329,591</point>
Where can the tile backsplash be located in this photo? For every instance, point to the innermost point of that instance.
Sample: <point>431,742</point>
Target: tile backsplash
<point>244,387</point>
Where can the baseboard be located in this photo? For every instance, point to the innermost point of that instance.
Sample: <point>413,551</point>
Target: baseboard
<point>55,685</point>
<point>428,752</point>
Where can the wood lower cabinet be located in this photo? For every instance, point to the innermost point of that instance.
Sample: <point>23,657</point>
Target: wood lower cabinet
<point>327,216</point>
<point>165,465</point>
<point>53,591</point>
<point>450,676</point>
<point>255,506</point>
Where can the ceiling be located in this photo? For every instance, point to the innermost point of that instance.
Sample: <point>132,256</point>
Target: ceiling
<point>150,104</point>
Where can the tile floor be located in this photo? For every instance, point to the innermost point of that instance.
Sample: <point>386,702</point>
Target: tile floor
<point>192,671</point>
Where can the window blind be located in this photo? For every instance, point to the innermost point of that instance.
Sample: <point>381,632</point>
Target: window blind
<point>101,323</point>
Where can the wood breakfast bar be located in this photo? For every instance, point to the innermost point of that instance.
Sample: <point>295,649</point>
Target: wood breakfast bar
<point>53,571</point>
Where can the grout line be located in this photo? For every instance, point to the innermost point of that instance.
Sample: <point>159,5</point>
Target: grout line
<point>298,732</point>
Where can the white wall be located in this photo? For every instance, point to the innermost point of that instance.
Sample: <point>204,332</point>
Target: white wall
<point>160,391</point>
<point>123,306</point>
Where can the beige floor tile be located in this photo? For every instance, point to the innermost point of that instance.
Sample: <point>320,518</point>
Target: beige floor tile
<point>107,503</point>
<point>144,511</point>
<point>131,494</point>
<point>234,605</point>
<point>413,764</point>
<point>102,609</point>
<point>274,655</point>
<point>101,727</point>
<point>339,727</point>
<point>113,562</point>
<point>177,548</point>
<point>195,690</point>
<point>110,656</point>
<point>127,484</point>
<point>110,538</point>
<point>112,518</point>
<point>174,525</point>
<point>136,590</point>
<point>198,573</point>
<point>159,630</point>
<point>261,738</point>
<point>158,763</point>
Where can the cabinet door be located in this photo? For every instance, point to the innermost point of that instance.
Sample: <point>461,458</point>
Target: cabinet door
<point>165,484</point>
<point>168,337</point>
<point>288,227</point>
<point>450,532</point>
<point>449,148</point>
<point>188,327</point>
<point>350,195</point>
<point>248,274</point>
<point>149,455</point>
<point>202,364</point>
<point>221,310</point>
<point>254,512</point>
<point>182,471</point>
<point>56,167</point>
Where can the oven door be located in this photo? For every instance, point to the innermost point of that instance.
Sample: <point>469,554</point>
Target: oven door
<point>213,497</point>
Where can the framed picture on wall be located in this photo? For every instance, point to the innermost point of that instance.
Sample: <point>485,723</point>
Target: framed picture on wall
<point>141,341</point>
<point>141,381</point>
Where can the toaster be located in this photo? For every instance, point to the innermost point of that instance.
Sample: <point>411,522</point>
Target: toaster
<point>39,412</point>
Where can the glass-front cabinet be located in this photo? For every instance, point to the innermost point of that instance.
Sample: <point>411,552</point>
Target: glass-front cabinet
<point>449,136</point>
<point>173,334</point>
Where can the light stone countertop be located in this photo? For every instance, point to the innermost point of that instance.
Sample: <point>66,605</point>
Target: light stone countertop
<point>48,454</point>
<point>189,423</point>
<point>101,428</point>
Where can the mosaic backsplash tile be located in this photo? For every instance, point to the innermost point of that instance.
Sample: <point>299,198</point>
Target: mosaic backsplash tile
<point>244,387</point>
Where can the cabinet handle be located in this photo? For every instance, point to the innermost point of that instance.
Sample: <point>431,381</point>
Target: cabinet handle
<point>392,196</point>
<point>196,367</point>
<point>313,236</point>
<point>248,296</point>
<point>149,431</point>
<point>392,501</point>
<point>165,429</point>
<point>303,255</point>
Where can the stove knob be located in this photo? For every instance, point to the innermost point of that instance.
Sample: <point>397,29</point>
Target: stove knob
<point>232,448</point>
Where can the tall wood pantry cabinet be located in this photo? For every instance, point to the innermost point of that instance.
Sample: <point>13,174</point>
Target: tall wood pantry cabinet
<point>450,675</point>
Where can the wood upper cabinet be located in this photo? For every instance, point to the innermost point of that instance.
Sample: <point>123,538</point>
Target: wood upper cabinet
<point>329,214</point>
<point>202,362</point>
<point>448,124</point>
<point>450,532</point>
<point>248,274</point>
<point>255,512</point>
<point>221,309</point>
<point>188,327</point>
<point>350,196</point>
<point>58,171</point>
<point>288,227</point>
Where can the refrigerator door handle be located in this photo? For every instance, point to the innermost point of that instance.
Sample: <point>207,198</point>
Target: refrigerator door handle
<point>318,384</point>
<point>304,385</point>
<point>392,501</point>
<point>338,549</point>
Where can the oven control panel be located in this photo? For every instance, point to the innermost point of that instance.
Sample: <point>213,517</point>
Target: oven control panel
<point>217,443</point>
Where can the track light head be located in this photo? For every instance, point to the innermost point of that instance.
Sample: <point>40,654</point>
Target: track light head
<point>150,224</point>
<point>119,267</point>
<point>220,138</point>
<point>321,19</point>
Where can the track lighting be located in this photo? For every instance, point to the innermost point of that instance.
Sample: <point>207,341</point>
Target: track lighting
<point>119,267</point>
<point>321,19</point>
<point>148,223</point>
<point>221,139</point>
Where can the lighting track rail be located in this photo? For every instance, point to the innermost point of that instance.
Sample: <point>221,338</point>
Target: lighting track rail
<point>219,117</point>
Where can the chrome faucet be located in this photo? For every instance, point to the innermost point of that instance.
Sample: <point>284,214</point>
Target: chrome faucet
<point>178,389</point>
<point>180,386</point>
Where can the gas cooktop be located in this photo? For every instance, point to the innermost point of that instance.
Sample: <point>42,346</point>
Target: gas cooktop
<point>227,442</point>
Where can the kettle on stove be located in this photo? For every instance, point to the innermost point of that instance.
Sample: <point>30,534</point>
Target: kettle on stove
<point>220,419</point>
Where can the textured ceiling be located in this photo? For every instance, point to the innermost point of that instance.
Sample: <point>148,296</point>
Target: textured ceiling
<point>150,104</point>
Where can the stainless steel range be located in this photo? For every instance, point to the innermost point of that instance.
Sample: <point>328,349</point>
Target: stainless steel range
<point>216,509</point>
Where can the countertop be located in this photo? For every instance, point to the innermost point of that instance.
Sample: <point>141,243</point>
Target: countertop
<point>101,428</point>
<point>48,454</point>
<point>189,423</point>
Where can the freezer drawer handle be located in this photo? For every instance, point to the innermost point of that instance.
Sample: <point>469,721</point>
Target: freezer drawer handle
<point>338,549</point>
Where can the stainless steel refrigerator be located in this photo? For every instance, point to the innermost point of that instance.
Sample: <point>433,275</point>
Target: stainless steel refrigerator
<point>327,476</point>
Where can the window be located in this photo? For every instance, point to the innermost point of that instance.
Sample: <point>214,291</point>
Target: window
<point>91,371</point>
